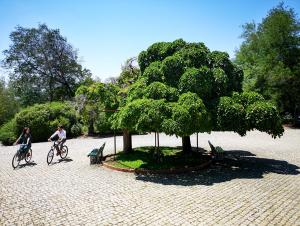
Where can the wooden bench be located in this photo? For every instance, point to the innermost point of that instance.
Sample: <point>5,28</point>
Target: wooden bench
<point>96,155</point>
<point>216,152</point>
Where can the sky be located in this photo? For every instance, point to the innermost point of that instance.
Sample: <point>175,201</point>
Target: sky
<point>106,33</point>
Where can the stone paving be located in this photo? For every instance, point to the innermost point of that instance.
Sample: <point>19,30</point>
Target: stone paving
<point>262,188</point>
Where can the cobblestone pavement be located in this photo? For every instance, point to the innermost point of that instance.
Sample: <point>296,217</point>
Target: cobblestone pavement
<point>262,188</point>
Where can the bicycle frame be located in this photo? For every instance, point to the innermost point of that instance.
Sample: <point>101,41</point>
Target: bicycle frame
<point>55,144</point>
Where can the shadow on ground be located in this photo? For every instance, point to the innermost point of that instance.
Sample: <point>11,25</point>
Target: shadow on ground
<point>239,164</point>
<point>26,165</point>
<point>61,160</point>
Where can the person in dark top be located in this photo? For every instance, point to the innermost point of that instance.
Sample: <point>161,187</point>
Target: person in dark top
<point>24,140</point>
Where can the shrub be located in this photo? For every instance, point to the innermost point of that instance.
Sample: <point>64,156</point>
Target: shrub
<point>287,118</point>
<point>42,119</point>
<point>8,133</point>
<point>76,129</point>
<point>102,125</point>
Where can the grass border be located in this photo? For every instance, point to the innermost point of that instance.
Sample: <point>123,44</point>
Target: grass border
<point>161,171</point>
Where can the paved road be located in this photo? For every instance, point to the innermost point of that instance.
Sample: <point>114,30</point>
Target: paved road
<point>262,188</point>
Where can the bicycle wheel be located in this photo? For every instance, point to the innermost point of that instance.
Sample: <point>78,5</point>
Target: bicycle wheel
<point>28,156</point>
<point>50,156</point>
<point>15,161</point>
<point>64,152</point>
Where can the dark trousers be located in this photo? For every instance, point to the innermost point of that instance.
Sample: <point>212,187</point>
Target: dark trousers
<point>60,144</point>
<point>24,148</point>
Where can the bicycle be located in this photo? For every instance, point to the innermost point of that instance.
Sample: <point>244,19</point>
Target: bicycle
<point>63,152</point>
<point>19,156</point>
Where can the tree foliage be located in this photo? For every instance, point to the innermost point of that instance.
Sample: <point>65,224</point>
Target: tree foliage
<point>270,57</point>
<point>43,65</point>
<point>129,73</point>
<point>92,100</point>
<point>184,88</point>
<point>42,119</point>
<point>188,115</point>
<point>8,132</point>
<point>248,110</point>
<point>9,105</point>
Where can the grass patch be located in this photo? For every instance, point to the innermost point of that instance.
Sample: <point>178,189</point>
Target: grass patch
<point>142,158</point>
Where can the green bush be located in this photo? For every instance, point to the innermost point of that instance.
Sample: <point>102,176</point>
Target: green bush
<point>76,129</point>
<point>102,125</point>
<point>42,119</point>
<point>8,133</point>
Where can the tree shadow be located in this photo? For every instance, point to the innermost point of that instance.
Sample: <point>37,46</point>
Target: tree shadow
<point>244,165</point>
<point>146,157</point>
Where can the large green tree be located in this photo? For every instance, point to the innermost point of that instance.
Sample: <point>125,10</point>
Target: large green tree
<point>43,65</point>
<point>270,57</point>
<point>184,88</point>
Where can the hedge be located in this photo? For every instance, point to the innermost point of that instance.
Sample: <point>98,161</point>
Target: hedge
<point>42,119</point>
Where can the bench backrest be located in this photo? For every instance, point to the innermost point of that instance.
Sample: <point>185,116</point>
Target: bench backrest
<point>213,149</point>
<point>101,149</point>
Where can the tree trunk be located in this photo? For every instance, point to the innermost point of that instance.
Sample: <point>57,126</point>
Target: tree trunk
<point>197,142</point>
<point>91,127</point>
<point>127,141</point>
<point>186,144</point>
<point>51,89</point>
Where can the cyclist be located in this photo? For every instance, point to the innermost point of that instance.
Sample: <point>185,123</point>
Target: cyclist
<point>25,141</point>
<point>61,134</point>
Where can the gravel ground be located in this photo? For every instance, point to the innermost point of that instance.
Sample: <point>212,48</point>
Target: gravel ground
<point>261,188</point>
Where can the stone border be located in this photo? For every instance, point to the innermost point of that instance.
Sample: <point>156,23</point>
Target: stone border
<point>162,171</point>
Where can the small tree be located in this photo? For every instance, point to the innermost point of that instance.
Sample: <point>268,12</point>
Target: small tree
<point>93,98</point>
<point>184,89</point>
<point>129,74</point>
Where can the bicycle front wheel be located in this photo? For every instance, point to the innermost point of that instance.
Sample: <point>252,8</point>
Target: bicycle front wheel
<point>15,161</point>
<point>28,156</point>
<point>64,152</point>
<point>50,156</point>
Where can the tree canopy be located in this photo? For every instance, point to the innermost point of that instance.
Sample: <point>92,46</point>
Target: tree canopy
<point>270,57</point>
<point>9,105</point>
<point>185,88</point>
<point>43,65</point>
<point>92,99</point>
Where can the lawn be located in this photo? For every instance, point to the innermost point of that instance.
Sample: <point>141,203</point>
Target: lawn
<point>142,158</point>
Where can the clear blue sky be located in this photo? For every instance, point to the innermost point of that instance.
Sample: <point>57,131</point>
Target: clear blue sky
<point>106,33</point>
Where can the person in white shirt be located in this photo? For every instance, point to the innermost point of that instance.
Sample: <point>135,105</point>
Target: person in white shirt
<point>61,134</point>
